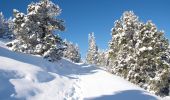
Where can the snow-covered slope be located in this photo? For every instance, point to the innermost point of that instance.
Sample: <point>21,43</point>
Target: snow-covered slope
<point>29,77</point>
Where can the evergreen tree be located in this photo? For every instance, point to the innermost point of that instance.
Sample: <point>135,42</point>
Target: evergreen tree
<point>72,52</point>
<point>5,30</point>
<point>1,24</point>
<point>138,52</point>
<point>121,45</point>
<point>34,31</point>
<point>92,54</point>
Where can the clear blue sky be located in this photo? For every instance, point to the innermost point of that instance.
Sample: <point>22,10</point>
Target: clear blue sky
<point>98,16</point>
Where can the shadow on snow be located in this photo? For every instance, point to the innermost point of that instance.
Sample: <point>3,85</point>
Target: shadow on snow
<point>6,88</point>
<point>126,95</point>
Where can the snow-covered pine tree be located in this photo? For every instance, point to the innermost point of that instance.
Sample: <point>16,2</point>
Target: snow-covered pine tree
<point>121,46</point>
<point>5,30</point>
<point>34,31</point>
<point>1,24</point>
<point>138,52</point>
<point>71,52</point>
<point>153,60</point>
<point>92,54</point>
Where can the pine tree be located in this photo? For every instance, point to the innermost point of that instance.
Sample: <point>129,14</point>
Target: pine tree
<point>1,24</point>
<point>34,31</point>
<point>122,44</point>
<point>92,54</point>
<point>5,30</point>
<point>71,52</point>
<point>138,52</point>
<point>153,59</point>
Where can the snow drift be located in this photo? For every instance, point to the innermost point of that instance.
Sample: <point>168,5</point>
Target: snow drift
<point>30,77</point>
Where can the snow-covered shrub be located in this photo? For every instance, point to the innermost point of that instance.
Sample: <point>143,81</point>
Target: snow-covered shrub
<point>34,31</point>
<point>138,52</point>
<point>71,52</point>
<point>54,54</point>
<point>102,58</point>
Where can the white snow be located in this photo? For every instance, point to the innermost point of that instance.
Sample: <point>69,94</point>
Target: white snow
<point>26,77</point>
<point>23,24</point>
<point>145,48</point>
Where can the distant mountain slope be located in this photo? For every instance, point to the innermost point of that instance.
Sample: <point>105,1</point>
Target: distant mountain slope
<point>30,77</point>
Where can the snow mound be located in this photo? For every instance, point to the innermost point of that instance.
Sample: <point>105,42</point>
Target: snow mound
<point>26,77</point>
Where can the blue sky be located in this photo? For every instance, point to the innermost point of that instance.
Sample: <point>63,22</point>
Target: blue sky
<point>98,16</point>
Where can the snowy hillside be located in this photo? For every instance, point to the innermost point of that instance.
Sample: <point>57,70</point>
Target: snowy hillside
<point>29,77</point>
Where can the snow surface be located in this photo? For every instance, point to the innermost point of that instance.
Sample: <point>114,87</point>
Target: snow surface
<point>26,77</point>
